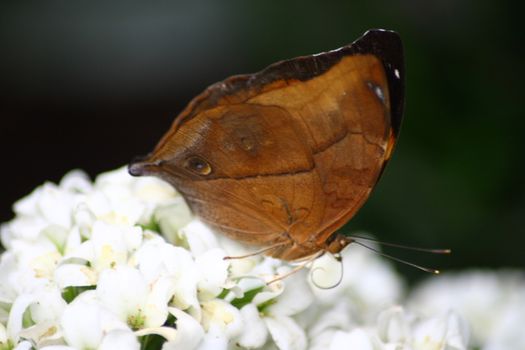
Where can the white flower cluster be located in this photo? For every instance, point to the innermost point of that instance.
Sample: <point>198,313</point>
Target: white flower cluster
<point>121,264</point>
<point>493,303</point>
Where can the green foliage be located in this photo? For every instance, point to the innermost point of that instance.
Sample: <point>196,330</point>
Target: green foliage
<point>70,293</point>
<point>27,319</point>
<point>153,225</point>
<point>155,341</point>
<point>7,346</point>
<point>151,342</point>
<point>246,298</point>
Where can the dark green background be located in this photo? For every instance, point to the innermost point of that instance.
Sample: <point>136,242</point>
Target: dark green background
<point>92,84</point>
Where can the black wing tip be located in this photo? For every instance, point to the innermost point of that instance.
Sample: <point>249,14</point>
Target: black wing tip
<point>379,33</point>
<point>387,46</point>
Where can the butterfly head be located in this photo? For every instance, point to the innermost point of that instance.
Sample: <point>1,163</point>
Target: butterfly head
<point>337,242</point>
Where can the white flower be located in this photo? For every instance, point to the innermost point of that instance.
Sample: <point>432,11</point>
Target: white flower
<point>75,275</point>
<point>87,324</point>
<point>355,339</point>
<point>218,314</point>
<point>139,306</point>
<point>286,333</point>
<point>448,331</point>
<point>371,282</point>
<point>110,245</point>
<point>119,339</point>
<point>492,303</point>
<point>214,339</point>
<point>35,315</point>
<point>172,218</point>
<point>189,332</point>
<point>86,267</point>
<point>213,272</point>
<point>174,267</point>
<point>397,329</point>
<point>394,326</point>
<point>255,331</point>
<point>199,237</point>
<point>276,307</point>
<point>3,334</point>
<point>328,321</point>
<point>24,345</point>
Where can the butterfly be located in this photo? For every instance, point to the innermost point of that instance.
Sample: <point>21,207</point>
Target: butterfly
<point>282,158</point>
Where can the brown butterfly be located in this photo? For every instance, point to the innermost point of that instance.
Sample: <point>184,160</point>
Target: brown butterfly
<point>282,158</point>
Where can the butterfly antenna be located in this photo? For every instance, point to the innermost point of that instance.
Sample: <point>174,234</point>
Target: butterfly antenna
<point>402,246</point>
<point>422,268</point>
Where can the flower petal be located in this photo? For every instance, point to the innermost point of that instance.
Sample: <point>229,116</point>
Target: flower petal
<point>255,332</point>
<point>109,246</point>
<point>119,339</point>
<point>296,296</point>
<point>74,275</point>
<point>214,339</point>
<point>172,218</point>
<point>199,237</point>
<point>44,305</point>
<point>393,325</point>
<point>3,334</point>
<point>338,317</point>
<point>189,332</point>
<point>25,345</point>
<point>167,333</point>
<point>114,292</point>
<point>76,181</point>
<point>55,205</point>
<point>175,268</point>
<point>356,339</point>
<point>286,333</point>
<point>46,332</point>
<point>223,314</point>
<point>213,273</point>
<point>85,331</point>
<point>448,331</point>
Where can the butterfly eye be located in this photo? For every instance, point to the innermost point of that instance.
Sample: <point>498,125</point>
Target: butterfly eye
<point>198,165</point>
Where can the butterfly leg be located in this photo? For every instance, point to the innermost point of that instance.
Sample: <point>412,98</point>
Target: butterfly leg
<point>297,268</point>
<point>258,252</point>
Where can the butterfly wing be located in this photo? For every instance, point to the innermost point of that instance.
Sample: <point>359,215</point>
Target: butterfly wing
<point>288,154</point>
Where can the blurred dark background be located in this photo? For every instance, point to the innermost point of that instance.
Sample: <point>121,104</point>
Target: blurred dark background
<point>91,85</point>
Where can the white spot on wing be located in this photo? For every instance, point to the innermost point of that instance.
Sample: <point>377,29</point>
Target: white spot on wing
<point>377,91</point>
